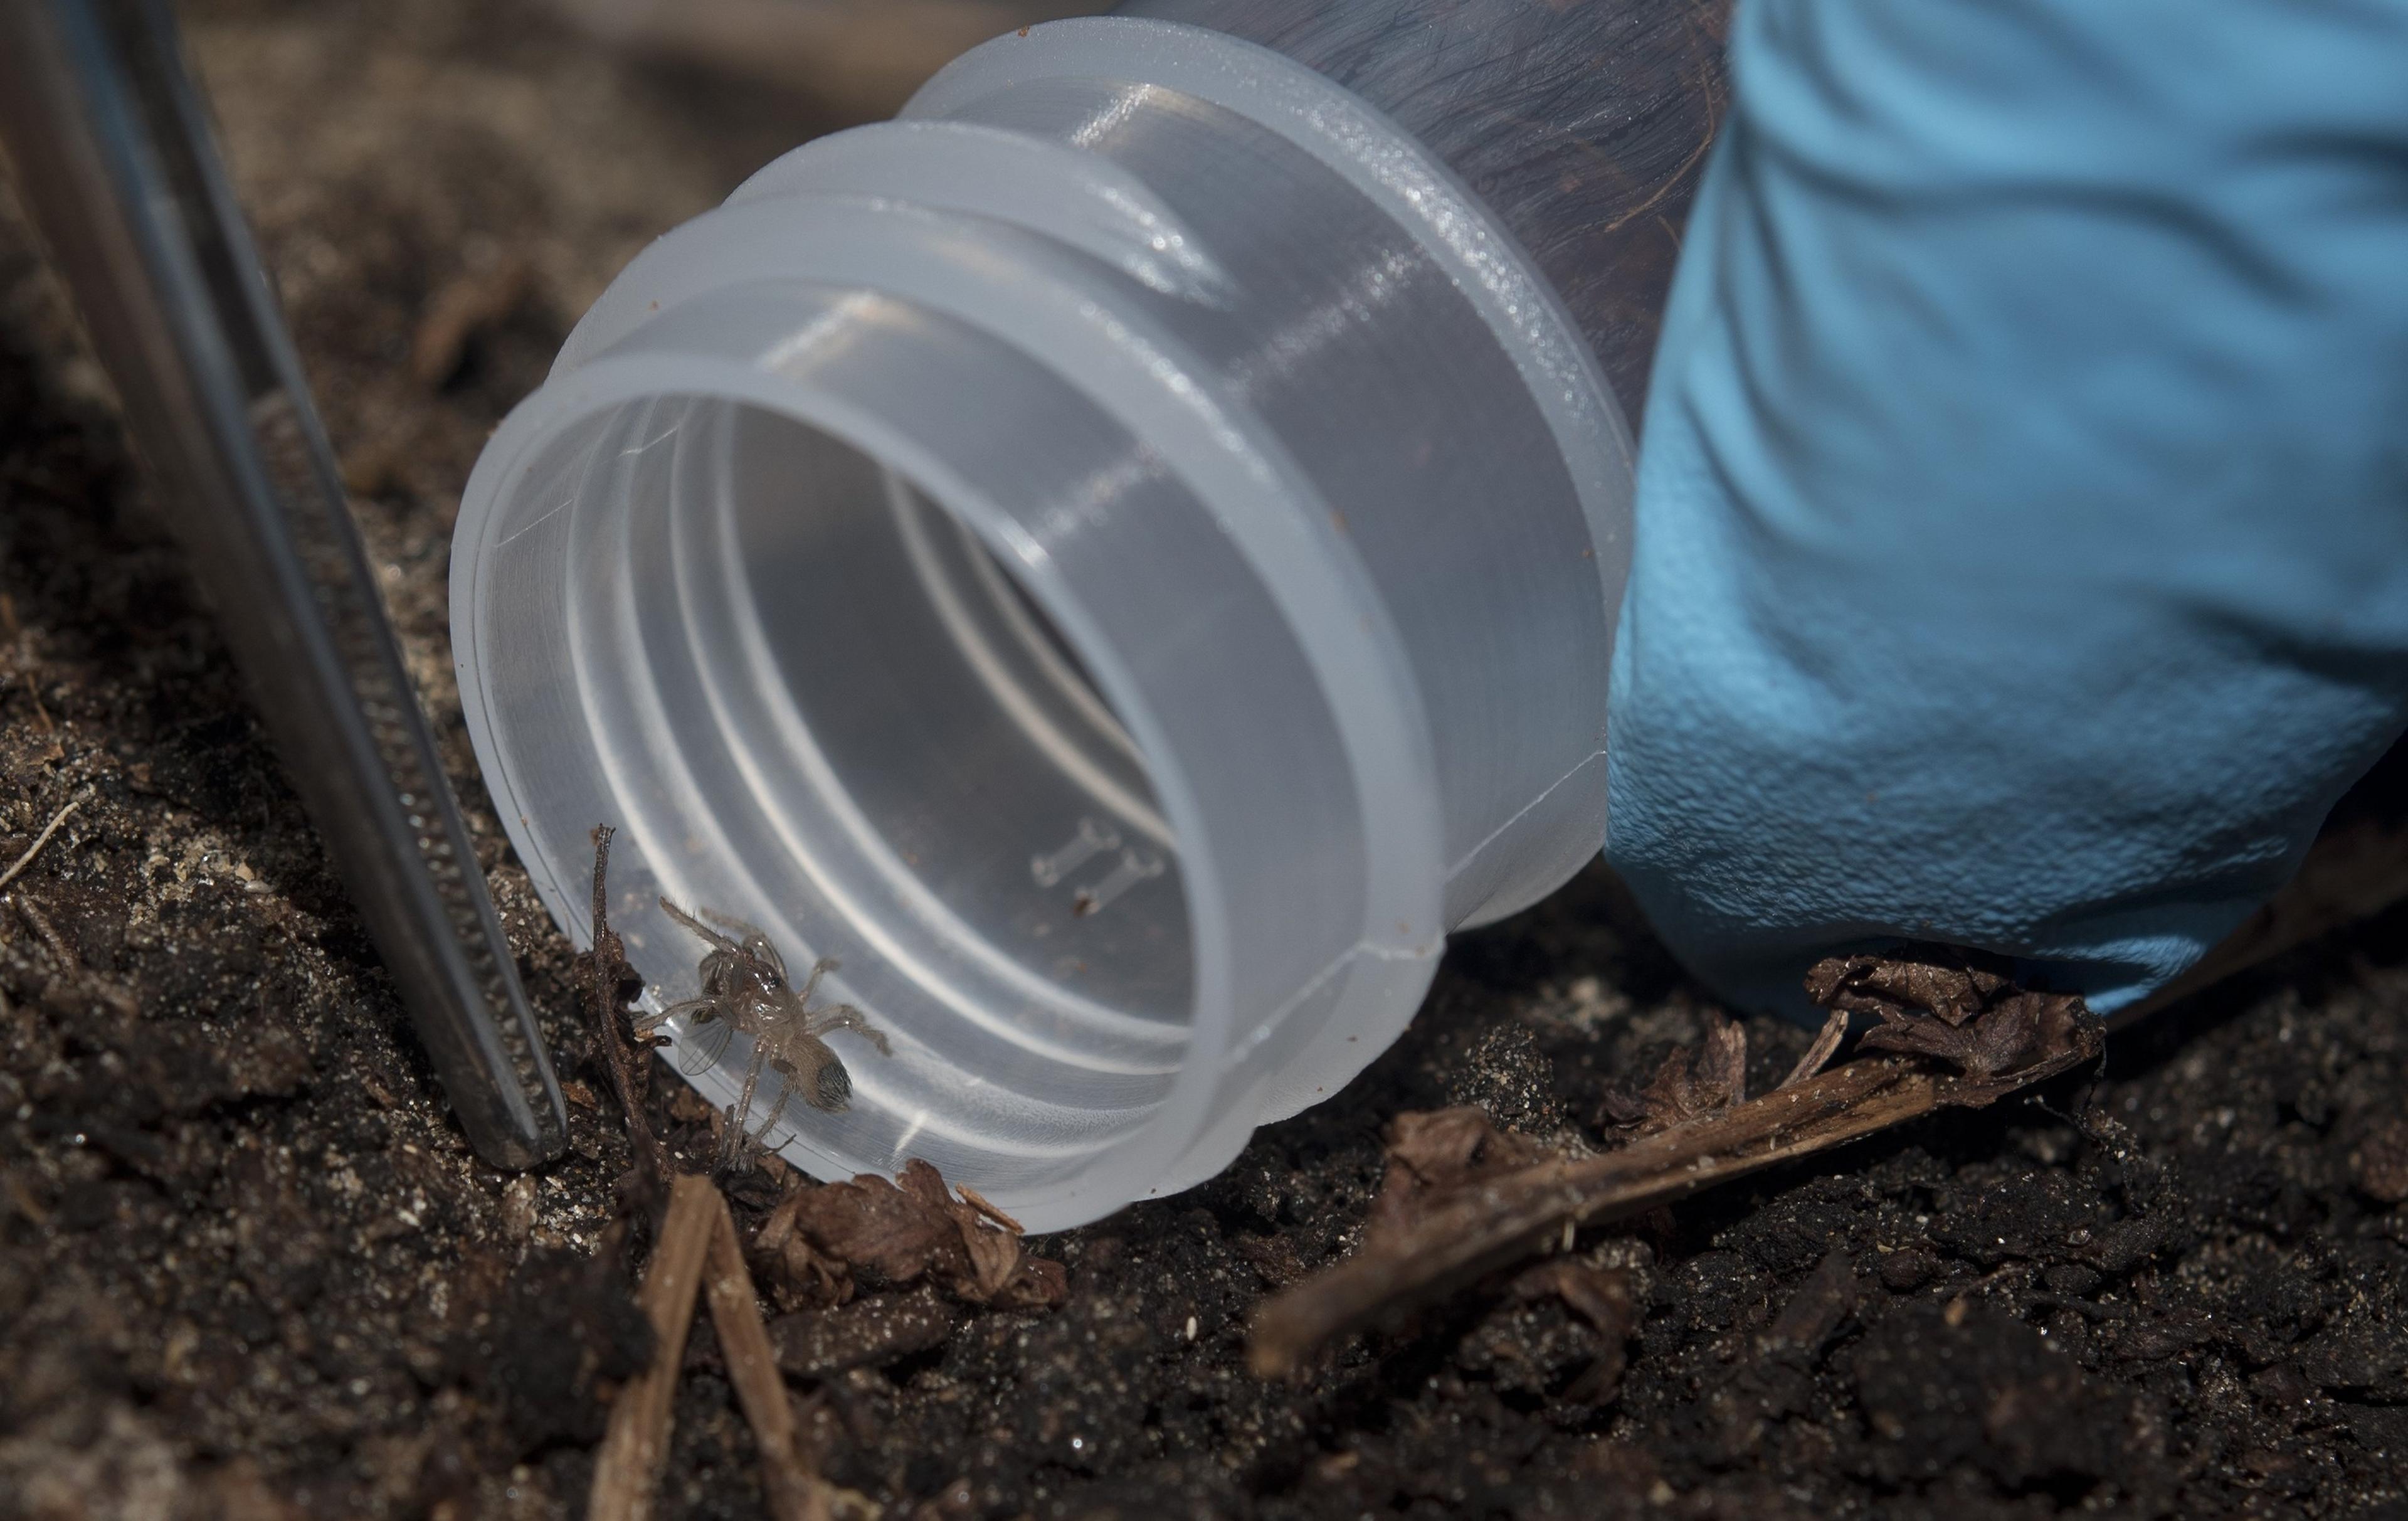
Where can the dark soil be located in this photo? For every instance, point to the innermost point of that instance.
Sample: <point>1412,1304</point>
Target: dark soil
<point>248,1268</point>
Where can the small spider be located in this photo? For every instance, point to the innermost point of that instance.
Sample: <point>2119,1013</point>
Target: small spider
<point>744,987</point>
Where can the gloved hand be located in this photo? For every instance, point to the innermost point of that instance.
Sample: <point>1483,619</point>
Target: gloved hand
<point>2023,509</point>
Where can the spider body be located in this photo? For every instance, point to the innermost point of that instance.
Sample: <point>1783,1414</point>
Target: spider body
<point>745,987</point>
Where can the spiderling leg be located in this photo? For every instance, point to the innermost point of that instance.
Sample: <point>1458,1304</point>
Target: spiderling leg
<point>648,1025</point>
<point>705,931</point>
<point>844,1016</point>
<point>761,1137</point>
<point>820,968</point>
<point>735,1139</point>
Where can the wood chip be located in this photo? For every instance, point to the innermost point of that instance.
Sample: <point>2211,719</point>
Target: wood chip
<point>627,1471</point>
<point>867,1333</point>
<point>1819,1055</point>
<point>793,1490</point>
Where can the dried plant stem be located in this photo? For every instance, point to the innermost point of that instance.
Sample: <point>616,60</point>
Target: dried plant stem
<point>628,1470</point>
<point>1819,1055</point>
<point>34,690</point>
<point>39,840</point>
<point>2355,870</point>
<point>794,1491</point>
<point>980,1202</point>
<point>1482,1226</point>
<point>603,969</point>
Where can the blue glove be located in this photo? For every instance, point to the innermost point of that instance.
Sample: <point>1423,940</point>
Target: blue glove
<point>2022,510</point>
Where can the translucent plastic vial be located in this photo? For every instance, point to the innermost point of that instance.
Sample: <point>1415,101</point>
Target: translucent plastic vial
<point>1124,558</point>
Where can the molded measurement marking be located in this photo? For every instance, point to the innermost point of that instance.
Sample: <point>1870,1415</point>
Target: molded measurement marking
<point>1135,867</point>
<point>1091,841</point>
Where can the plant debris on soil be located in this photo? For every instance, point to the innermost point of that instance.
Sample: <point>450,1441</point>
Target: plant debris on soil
<point>250,1268</point>
<point>822,1238</point>
<point>1461,1199</point>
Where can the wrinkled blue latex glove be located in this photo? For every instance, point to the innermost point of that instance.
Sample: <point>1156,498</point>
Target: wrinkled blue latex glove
<point>2023,511</point>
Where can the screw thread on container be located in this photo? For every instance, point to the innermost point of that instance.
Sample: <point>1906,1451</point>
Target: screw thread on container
<point>1125,558</point>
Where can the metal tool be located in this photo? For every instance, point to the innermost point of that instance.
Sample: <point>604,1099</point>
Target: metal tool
<point>115,162</point>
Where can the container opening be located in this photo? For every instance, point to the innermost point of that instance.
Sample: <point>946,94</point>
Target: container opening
<point>821,705</point>
<point>948,717</point>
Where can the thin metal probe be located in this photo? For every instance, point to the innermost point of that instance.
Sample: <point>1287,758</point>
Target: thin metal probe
<point>116,164</point>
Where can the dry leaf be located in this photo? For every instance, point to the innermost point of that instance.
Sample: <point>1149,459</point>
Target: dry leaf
<point>1689,1083</point>
<point>821,1238</point>
<point>1608,1299</point>
<point>869,1223</point>
<point>1942,1003</point>
<point>1945,983</point>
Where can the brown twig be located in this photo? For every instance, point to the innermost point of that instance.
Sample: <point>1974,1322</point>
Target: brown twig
<point>2005,1039</point>
<point>1468,1232</point>
<point>50,934</point>
<point>606,972</point>
<point>795,1492</point>
<point>39,840</point>
<point>627,1472</point>
<point>1818,1055</point>
<point>980,1202</point>
<point>2357,869</point>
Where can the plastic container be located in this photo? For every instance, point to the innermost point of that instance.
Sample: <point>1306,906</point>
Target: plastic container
<point>1124,558</point>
